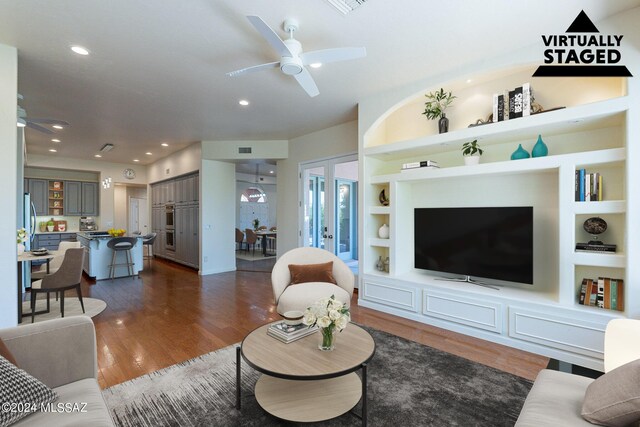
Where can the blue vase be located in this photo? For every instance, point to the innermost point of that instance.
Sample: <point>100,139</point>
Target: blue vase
<point>540,149</point>
<point>520,153</point>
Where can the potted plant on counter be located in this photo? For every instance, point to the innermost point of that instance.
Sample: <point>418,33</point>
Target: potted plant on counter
<point>435,107</point>
<point>471,152</point>
<point>51,225</point>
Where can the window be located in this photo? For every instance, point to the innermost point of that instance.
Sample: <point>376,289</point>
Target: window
<point>253,194</point>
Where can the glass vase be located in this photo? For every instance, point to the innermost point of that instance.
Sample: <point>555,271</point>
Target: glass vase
<point>327,339</point>
<point>443,124</point>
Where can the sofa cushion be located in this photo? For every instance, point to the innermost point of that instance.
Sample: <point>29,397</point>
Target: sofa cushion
<point>303,273</point>
<point>94,413</point>
<point>4,352</point>
<point>614,398</point>
<point>301,296</point>
<point>22,390</point>
<point>555,400</point>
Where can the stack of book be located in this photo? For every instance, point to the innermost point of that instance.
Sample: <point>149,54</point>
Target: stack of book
<point>513,104</point>
<point>588,186</point>
<point>602,247</point>
<point>289,333</point>
<point>604,293</point>
<point>420,164</point>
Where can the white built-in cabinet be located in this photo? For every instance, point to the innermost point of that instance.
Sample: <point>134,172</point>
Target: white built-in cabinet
<point>596,131</point>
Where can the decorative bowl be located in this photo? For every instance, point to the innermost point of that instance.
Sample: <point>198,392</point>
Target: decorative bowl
<point>293,317</point>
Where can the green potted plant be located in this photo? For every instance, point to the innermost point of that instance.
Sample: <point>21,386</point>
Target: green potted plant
<point>256,224</point>
<point>51,225</point>
<point>435,107</point>
<point>471,152</point>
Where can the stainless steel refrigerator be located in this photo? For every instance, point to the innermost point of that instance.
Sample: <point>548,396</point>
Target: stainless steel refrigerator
<point>29,224</point>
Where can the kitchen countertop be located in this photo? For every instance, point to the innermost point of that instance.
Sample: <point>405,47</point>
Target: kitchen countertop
<point>86,235</point>
<point>57,232</point>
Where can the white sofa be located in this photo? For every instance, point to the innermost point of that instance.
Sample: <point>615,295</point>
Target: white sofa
<point>556,398</point>
<point>62,354</point>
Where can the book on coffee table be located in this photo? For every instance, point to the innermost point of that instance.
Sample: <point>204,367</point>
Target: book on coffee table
<point>289,333</point>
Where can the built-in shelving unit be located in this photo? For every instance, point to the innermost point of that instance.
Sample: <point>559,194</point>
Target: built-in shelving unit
<point>544,317</point>
<point>56,198</point>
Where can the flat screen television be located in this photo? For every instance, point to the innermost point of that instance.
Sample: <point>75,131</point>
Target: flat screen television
<point>485,242</point>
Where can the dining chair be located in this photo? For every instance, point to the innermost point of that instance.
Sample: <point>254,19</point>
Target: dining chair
<point>272,240</point>
<point>252,238</point>
<point>55,262</point>
<point>239,238</point>
<point>68,276</point>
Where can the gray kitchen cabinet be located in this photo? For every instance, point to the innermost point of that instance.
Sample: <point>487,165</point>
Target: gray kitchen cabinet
<point>187,242</point>
<point>81,198</point>
<point>90,199</point>
<point>72,198</point>
<point>39,190</point>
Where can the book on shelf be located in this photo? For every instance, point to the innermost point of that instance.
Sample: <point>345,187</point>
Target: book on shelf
<point>588,186</point>
<point>604,247</point>
<point>604,292</point>
<point>420,164</point>
<point>289,333</point>
<point>515,103</point>
<point>526,99</point>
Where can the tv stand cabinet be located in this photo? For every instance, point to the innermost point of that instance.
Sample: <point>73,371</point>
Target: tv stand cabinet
<point>593,133</point>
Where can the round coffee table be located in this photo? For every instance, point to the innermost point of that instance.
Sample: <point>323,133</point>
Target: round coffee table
<point>303,384</point>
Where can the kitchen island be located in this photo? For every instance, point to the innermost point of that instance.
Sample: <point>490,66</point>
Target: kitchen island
<point>98,256</point>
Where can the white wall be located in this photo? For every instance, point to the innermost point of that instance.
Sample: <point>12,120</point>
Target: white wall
<point>331,142</point>
<point>8,177</point>
<point>176,164</point>
<point>217,216</point>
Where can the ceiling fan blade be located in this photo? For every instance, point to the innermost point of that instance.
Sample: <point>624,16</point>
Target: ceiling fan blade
<point>253,69</point>
<point>49,121</point>
<point>307,83</point>
<point>274,40</point>
<point>38,128</point>
<point>333,55</point>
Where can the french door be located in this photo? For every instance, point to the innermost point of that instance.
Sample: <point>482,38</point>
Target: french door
<point>328,202</point>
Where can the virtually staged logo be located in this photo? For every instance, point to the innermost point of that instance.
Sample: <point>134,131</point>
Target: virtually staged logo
<point>582,52</point>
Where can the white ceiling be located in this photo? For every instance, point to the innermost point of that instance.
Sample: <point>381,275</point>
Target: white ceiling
<point>156,72</point>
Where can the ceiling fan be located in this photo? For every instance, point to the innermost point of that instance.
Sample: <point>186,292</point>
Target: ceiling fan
<point>293,60</point>
<point>24,120</point>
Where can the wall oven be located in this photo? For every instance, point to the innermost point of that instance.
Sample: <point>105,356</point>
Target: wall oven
<point>169,217</point>
<point>170,240</point>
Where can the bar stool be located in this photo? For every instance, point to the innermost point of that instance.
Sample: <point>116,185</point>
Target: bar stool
<point>121,244</point>
<point>148,240</point>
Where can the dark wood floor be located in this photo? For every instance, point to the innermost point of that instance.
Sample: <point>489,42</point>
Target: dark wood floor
<point>170,314</point>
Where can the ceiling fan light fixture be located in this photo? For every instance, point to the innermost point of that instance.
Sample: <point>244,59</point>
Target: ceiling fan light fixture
<point>316,65</point>
<point>346,6</point>
<point>106,148</point>
<point>21,122</point>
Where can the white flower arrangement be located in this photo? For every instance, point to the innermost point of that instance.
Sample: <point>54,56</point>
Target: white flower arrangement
<point>22,235</point>
<point>327,313</point>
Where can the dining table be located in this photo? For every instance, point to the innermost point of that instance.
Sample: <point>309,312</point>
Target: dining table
<point>264,234</point>
<point>28,257</point>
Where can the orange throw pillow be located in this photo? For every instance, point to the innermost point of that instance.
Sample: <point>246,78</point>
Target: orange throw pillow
<point>303,273</point>
<point>4,352</point>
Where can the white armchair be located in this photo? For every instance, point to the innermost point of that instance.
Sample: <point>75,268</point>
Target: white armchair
<point>300,296</point>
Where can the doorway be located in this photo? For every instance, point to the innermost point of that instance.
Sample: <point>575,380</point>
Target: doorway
<point>329,195</point>
<point>138,214</point>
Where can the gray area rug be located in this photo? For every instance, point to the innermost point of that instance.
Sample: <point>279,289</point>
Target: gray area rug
<point>409,385</point>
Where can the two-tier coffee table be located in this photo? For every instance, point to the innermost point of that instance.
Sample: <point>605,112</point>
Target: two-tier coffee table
<point>300,382</point>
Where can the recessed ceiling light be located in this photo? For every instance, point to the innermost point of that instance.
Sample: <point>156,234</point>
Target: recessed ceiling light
<point>164,144</point>
<point>55,140</point>
<point>53,150</point>
<point>148,153</point>
<point>468,80</point>
<point>57,127</point>
<point>243,102</point>
<point>136,160</point>
<point>97,155</point>
<point>80,50</point>
<point>315,65</point>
